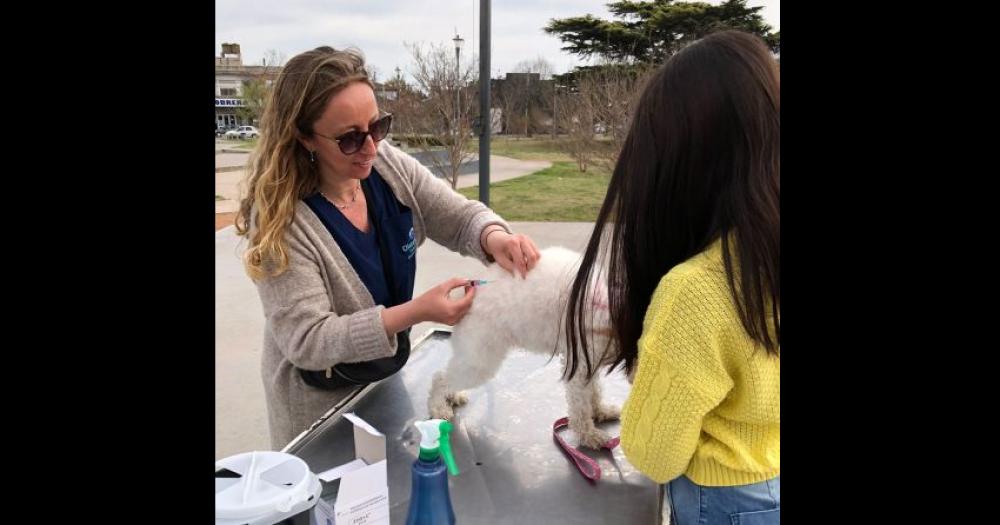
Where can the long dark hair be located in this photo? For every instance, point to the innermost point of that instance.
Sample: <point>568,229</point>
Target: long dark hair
<point>700,163</point>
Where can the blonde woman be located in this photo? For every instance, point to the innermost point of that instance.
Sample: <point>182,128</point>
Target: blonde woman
<point>333,218</point>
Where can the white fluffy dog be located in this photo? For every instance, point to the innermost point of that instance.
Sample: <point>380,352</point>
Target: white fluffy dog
<point>513,312</point>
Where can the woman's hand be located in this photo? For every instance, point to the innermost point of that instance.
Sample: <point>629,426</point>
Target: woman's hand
<point>433,305</point>
<point>514,253</point>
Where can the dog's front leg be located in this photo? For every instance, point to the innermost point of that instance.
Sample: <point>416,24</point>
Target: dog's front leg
<point>465,370</point>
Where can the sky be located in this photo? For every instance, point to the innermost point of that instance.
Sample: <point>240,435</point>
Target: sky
<point>379,28</point>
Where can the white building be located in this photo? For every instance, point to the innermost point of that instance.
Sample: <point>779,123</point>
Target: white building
<point>230,74</point>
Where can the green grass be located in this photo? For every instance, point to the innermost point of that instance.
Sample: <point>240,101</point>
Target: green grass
<point>559,193</point>
<point>539,147</point>
<point>247,144</point>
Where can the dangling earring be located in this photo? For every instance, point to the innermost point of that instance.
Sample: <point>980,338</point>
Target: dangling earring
<point>312,156</point>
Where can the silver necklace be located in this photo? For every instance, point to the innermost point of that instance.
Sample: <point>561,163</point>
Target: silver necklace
<point>354,199</point>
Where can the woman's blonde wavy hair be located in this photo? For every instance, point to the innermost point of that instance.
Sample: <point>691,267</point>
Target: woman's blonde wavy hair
<point>280,169</point>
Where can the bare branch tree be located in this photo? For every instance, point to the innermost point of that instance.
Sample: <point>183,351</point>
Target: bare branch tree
<point>446,113</point>
<point>274,59</point>
<point>256,91</point>
<point>612,93</point>
<point>539,65</point>
<point>507,100</point>
<point>403,101</point>
<point>576,117</point>
<point>524,98</point>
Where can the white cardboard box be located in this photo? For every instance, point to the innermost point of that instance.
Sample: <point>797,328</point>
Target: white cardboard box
<point>363,498</point>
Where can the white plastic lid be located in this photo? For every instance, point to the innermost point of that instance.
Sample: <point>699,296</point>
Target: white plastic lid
<point>259,486</point>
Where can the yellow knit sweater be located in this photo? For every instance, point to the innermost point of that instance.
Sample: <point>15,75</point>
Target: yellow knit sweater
<point>705,401</point>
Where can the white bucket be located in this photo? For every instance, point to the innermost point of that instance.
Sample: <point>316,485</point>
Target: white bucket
<point>263,488</point>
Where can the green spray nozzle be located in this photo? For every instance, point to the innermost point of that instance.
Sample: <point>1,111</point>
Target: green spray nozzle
<point>436,441</point>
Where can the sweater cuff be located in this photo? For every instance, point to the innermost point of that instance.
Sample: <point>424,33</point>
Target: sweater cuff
<point>367,333</point>
<point>473,244</point>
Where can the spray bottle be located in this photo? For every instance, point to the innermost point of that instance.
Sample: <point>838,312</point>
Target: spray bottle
<point>430,501</point>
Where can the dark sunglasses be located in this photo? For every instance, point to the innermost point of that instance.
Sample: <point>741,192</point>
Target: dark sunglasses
<point>352,141</point>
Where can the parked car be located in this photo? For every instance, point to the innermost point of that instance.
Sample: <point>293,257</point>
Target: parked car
<point>243,132</point>
<point>220,131</point>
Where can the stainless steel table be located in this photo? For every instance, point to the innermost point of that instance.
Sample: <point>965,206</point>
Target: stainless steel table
<point>512,471</point>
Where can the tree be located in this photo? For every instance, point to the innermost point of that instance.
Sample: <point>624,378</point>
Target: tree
<point>403,101</point>
<point>520,95</point>
<point>576,118</point>
<point>597,111</point>
<point>446,112</point>
<point>273,60</point>
<point>539,65</point>
<point>256,91</point>
<point>254,94</point>
<point>650,32</point>
<point>506,98</point>
<point>528,93</point>
<point>613,93</point>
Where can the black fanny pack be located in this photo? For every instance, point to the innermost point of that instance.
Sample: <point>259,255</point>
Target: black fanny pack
<point>365,372</point>
<point>362,373</point>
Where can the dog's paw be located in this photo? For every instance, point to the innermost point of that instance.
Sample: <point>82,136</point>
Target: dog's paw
<point>606,413</point>
<point>458,399</point>
<point>441,411</point>
<point>594,438</point>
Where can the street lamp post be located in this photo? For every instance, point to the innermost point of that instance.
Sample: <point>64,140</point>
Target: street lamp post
<point>555,102</point>
<point>484,101</point>
<point>458,68</point>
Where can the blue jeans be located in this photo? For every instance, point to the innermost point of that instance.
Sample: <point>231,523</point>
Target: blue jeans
<point>755,504</point>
